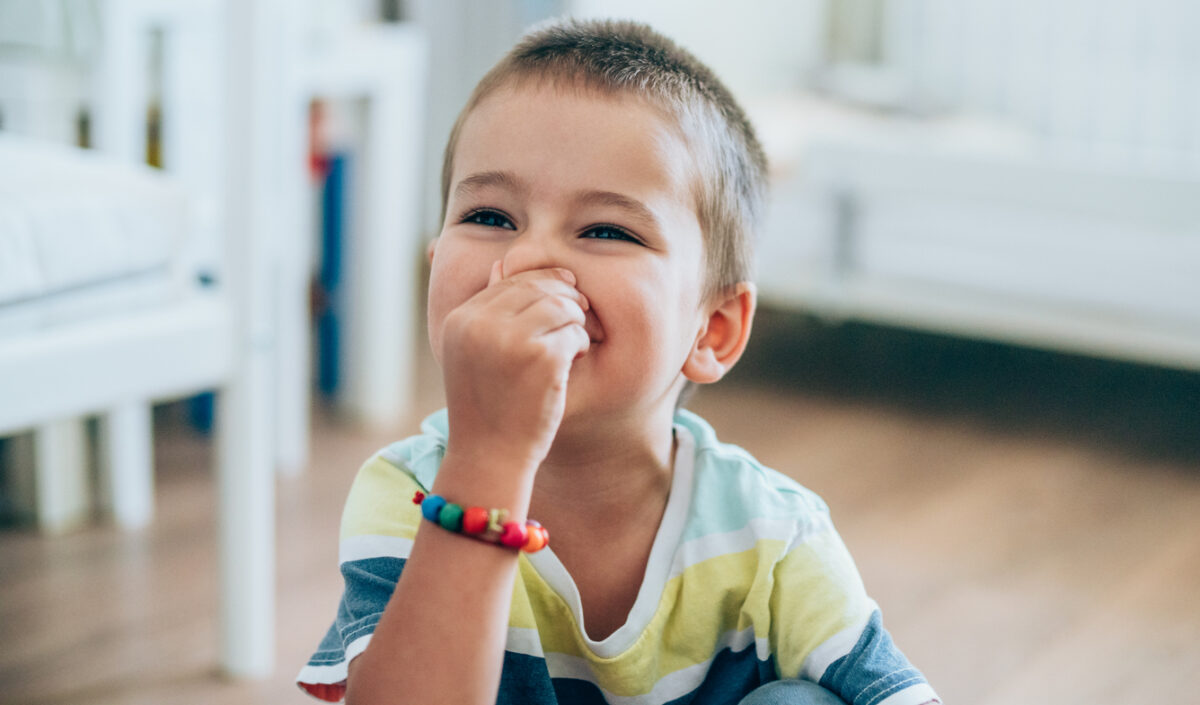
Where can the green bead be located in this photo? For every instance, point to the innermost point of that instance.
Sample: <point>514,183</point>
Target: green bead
<point>451,517</point>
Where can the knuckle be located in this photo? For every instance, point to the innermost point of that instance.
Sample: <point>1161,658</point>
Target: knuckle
<point>549,357</point>
<point>565,308</point>
<point>543,349</point>
<point>505,340</point>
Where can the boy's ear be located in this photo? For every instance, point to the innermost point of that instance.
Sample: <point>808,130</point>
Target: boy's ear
<point>429,250</point>
<point>723,338</point>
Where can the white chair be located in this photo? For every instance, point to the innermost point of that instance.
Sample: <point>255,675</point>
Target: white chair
<point>236,147</point>
<point>94,300</point>
<point>111,340</point>
<point>72,347</point>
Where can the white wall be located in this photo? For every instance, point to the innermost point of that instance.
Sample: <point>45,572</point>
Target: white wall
<point>466,38</point>
<point>756,47</point>
<point>1113,81</point>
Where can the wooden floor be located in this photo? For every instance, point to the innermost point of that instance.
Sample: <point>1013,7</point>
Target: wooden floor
<point>1030,524</point>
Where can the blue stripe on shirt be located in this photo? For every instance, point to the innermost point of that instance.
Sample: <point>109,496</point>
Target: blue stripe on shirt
<point>873,670</point>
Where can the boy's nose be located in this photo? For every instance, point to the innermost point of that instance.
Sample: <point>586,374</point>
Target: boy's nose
<point>531,250</point>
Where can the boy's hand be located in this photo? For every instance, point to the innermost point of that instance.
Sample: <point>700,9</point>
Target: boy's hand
<point>506,355</point>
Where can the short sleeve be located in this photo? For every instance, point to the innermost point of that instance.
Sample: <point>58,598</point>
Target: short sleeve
<point>826,629</point>
<point>875,671</point>
<point>378,526</point>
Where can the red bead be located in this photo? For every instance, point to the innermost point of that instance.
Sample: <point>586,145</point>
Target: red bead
<point>514,535</point>
<point>418,497</point>
<point>475,520</point>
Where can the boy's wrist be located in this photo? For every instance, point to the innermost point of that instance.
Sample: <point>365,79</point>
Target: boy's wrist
<point>495,453</point>
<point>487,480</point>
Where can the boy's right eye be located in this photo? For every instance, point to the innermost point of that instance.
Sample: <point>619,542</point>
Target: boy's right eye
<point>489,218</point>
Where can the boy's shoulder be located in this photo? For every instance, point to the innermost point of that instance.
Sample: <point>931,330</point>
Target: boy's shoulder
<point>733,489</point>
<point>380,498</point>
<point>421,455</point>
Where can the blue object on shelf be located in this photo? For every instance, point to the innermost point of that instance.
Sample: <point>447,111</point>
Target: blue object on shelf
<point>200,411</point>
<point>334,208</point>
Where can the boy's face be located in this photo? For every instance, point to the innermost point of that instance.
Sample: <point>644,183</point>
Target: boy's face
<point>597,185</point>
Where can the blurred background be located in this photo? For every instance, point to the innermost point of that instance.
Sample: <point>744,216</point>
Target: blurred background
<point>979,337</point>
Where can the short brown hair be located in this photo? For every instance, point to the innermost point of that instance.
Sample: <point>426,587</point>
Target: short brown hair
<point>617,57</point>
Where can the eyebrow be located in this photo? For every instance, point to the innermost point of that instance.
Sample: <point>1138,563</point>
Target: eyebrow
<point>484,179</point>
<point>633,208</point>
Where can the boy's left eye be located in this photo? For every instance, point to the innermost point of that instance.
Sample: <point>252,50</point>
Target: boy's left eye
<point>609,232</point>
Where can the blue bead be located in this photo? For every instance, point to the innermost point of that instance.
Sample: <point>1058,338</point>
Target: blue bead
<point>432,506</point>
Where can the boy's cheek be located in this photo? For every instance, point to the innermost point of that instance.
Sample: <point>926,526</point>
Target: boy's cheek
<point>452,283</point>
<point>439,306</point>
<point>445,295</point>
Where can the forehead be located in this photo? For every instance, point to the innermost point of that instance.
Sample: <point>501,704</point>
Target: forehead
<point>570,135</point>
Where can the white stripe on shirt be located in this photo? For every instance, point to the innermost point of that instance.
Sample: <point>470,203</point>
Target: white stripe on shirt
<point>357,548</point>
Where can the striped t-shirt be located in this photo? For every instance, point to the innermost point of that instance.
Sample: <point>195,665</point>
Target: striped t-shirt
<point>747,582</point>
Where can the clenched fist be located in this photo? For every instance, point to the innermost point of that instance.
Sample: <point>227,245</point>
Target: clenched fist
<point>506,355</point>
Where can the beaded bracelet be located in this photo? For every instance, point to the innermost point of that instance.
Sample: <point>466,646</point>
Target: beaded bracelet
<point>490,525</point>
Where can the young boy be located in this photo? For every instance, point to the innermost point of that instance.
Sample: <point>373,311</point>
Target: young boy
<point>600,190</point>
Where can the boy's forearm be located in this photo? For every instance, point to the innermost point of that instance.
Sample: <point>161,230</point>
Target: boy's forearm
<point>506,352</point>
<point>441,638</point>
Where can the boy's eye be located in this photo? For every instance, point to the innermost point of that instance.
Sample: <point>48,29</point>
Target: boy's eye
<point>489,219</point>
<point>609,232</point>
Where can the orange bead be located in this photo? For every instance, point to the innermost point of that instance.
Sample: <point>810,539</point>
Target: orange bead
<point>475,520</point>
<point>536,541</point>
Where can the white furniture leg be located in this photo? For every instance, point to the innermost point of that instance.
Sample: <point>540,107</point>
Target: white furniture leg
<point>383,70</point>
<point>377,317</point>
<point>293,362</point>
<point>384,330</point>
<point>246,472</point>
<point>246,488</point>
<point>127,457</point>
<point>60,469</point>
<point>291,373</point>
